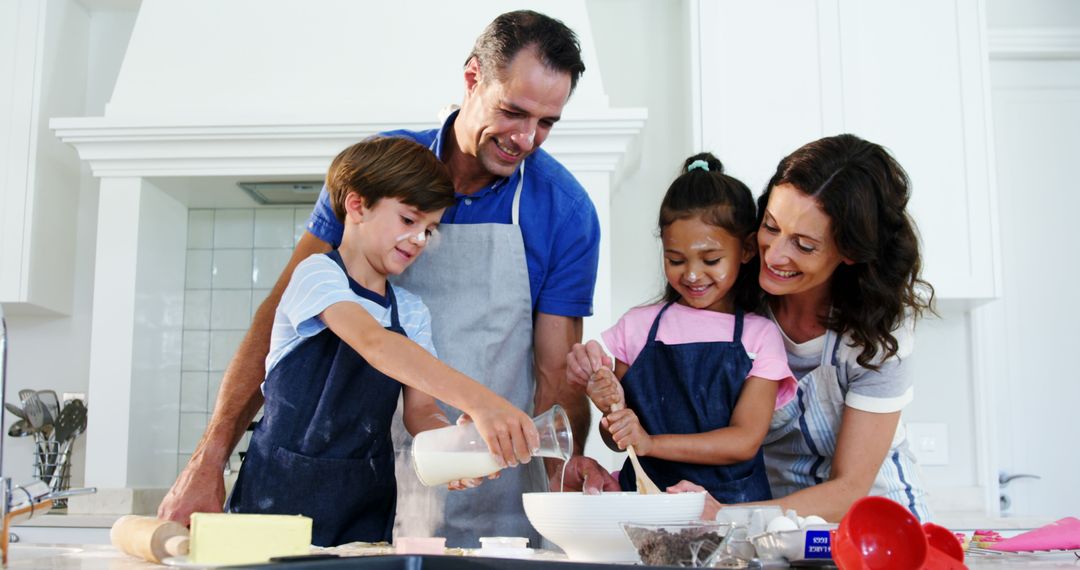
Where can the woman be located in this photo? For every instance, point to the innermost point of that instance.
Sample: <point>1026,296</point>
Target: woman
<point>839,264</point>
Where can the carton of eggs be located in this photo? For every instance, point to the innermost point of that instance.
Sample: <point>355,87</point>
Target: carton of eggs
<point>771,534</point>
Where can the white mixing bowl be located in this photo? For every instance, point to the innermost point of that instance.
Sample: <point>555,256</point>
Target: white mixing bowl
<point>587,527</point>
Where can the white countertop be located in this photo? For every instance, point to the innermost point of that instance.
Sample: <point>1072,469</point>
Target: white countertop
<point>98,557</point>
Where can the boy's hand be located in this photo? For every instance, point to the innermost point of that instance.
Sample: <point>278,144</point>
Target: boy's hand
<point>462,484</point>
<point>605,391</point>
<point>508,432</point>
<point>585,359</point>
<point>626,429</point>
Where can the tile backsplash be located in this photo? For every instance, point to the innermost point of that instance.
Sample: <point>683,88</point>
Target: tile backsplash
<point>234,256</point>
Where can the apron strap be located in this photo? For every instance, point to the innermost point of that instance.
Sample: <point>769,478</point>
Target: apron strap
<point>517,194</point>
<point>394,323</point>
<point>656,322</point>
<point>335,255</point>
<point>737,336</point>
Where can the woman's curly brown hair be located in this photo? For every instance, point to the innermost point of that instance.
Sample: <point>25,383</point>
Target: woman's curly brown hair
<point>864,192</point>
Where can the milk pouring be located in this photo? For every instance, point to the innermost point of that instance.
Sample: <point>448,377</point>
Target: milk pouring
<point>458,452</point>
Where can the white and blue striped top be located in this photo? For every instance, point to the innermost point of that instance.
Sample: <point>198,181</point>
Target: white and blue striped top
<point>319,282</point>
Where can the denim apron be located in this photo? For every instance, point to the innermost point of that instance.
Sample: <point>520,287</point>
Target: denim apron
<point>692,388</point>
<point>323,447</point>
<point>801,442</point>
<point>475,282</point>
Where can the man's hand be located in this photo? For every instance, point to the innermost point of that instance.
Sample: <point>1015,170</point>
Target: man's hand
<point>585,359</point>
<point>605,391</point>
<point>585,474</point>
<point>198,489</point>
<point>626,429</point>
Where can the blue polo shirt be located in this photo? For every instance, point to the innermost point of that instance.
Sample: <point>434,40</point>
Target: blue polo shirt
<point>558,225</point>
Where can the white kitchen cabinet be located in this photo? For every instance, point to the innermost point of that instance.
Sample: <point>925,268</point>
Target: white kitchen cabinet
<point>43,52</point>
<point>772,75</point>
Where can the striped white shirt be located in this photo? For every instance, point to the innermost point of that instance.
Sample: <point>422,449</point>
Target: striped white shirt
<point>319,282</point>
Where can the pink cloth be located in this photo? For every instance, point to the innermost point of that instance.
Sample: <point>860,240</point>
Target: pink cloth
<point>1063,534</point>
<point>683,325</point>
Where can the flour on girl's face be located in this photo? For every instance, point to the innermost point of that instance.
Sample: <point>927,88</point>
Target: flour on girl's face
<point>701,262</point>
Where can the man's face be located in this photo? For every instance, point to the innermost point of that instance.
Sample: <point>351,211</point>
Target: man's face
<point>505,116</point>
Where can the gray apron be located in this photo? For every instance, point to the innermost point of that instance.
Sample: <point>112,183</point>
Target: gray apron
<point>801,442</point>
<point>476,284</point>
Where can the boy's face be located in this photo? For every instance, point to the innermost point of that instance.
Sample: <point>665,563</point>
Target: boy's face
<point>394,233</point>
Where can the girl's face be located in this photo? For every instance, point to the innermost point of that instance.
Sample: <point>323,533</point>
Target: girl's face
<point>701,262</point>
<point>394,233</point>
<point>795,243</point>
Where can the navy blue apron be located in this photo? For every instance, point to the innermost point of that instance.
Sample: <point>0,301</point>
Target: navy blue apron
<point>323,448</point>
<point>692,388</point>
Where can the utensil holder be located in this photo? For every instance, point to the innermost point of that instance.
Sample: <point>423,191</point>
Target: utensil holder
<point>51,463</point>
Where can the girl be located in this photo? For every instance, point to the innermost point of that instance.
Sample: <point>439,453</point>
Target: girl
<point>696,376</point>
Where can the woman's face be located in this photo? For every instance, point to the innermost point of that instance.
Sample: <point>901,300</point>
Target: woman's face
<point>795,243</point>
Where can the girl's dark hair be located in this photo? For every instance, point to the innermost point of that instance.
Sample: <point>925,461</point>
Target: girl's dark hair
<point>389,167</point>
<point>720,201</point>
<point>864,192</point>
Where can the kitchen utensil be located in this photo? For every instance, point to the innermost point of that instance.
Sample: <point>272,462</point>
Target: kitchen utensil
<point>20,428</point>
<point>149,538</point>
<point>51,401</point>
<point>15,410</point>
<point>645,485</point>
<point>880,533</point>
<point>70,424</point>
<point>34,409</point>
<point>458,452</point>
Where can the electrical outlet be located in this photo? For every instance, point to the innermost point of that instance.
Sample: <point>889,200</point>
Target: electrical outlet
<point>929,442</point>
<point>69,396</point>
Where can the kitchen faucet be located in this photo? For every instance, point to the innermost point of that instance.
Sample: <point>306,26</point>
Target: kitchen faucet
<point>23,501</point>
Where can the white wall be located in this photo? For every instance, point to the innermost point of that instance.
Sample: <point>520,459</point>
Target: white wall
<point>54,352</point>
<point>652,74</point>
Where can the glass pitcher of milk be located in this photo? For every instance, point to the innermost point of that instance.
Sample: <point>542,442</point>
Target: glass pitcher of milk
<point>458,452</point>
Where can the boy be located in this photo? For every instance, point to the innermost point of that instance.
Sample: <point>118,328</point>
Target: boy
<point>323,446</point>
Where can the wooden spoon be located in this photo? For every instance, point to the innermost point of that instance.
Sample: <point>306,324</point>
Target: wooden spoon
<point>645,486</point>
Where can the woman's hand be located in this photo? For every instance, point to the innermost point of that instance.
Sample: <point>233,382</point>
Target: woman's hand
<point>711,504</point>
<point>626,429</point>
<point>585,359</point>
<point>605,391</point>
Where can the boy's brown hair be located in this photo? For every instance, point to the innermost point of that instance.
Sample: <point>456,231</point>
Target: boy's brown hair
<point>389,167</point>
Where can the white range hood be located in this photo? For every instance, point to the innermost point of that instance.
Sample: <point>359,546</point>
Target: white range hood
<point>252,88</point>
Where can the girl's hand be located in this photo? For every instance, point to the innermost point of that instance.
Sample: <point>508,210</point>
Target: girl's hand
<point>626,429</point>
<point>711,504</point>
<point>605,391</point>
<point>585,359</point>
<point>508,432</point>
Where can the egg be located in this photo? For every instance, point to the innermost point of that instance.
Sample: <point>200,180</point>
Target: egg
<point>814,519</point>
<point>780,524</point>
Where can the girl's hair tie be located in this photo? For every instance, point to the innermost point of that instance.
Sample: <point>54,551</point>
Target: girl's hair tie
<point>698,164</point>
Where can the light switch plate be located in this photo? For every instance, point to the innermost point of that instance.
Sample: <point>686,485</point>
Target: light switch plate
<point>929,442</point>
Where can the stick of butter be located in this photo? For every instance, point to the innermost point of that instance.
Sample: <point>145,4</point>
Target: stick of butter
<point>229,538</point>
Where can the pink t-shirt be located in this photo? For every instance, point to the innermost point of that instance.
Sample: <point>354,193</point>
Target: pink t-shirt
<point>684,325</point>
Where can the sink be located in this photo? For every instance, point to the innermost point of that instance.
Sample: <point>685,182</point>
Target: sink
<point>18,551</point>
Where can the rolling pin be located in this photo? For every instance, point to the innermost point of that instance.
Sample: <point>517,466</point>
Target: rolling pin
<point>149,538</point>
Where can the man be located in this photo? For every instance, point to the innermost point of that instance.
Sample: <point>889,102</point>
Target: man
<point>508,283</point>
